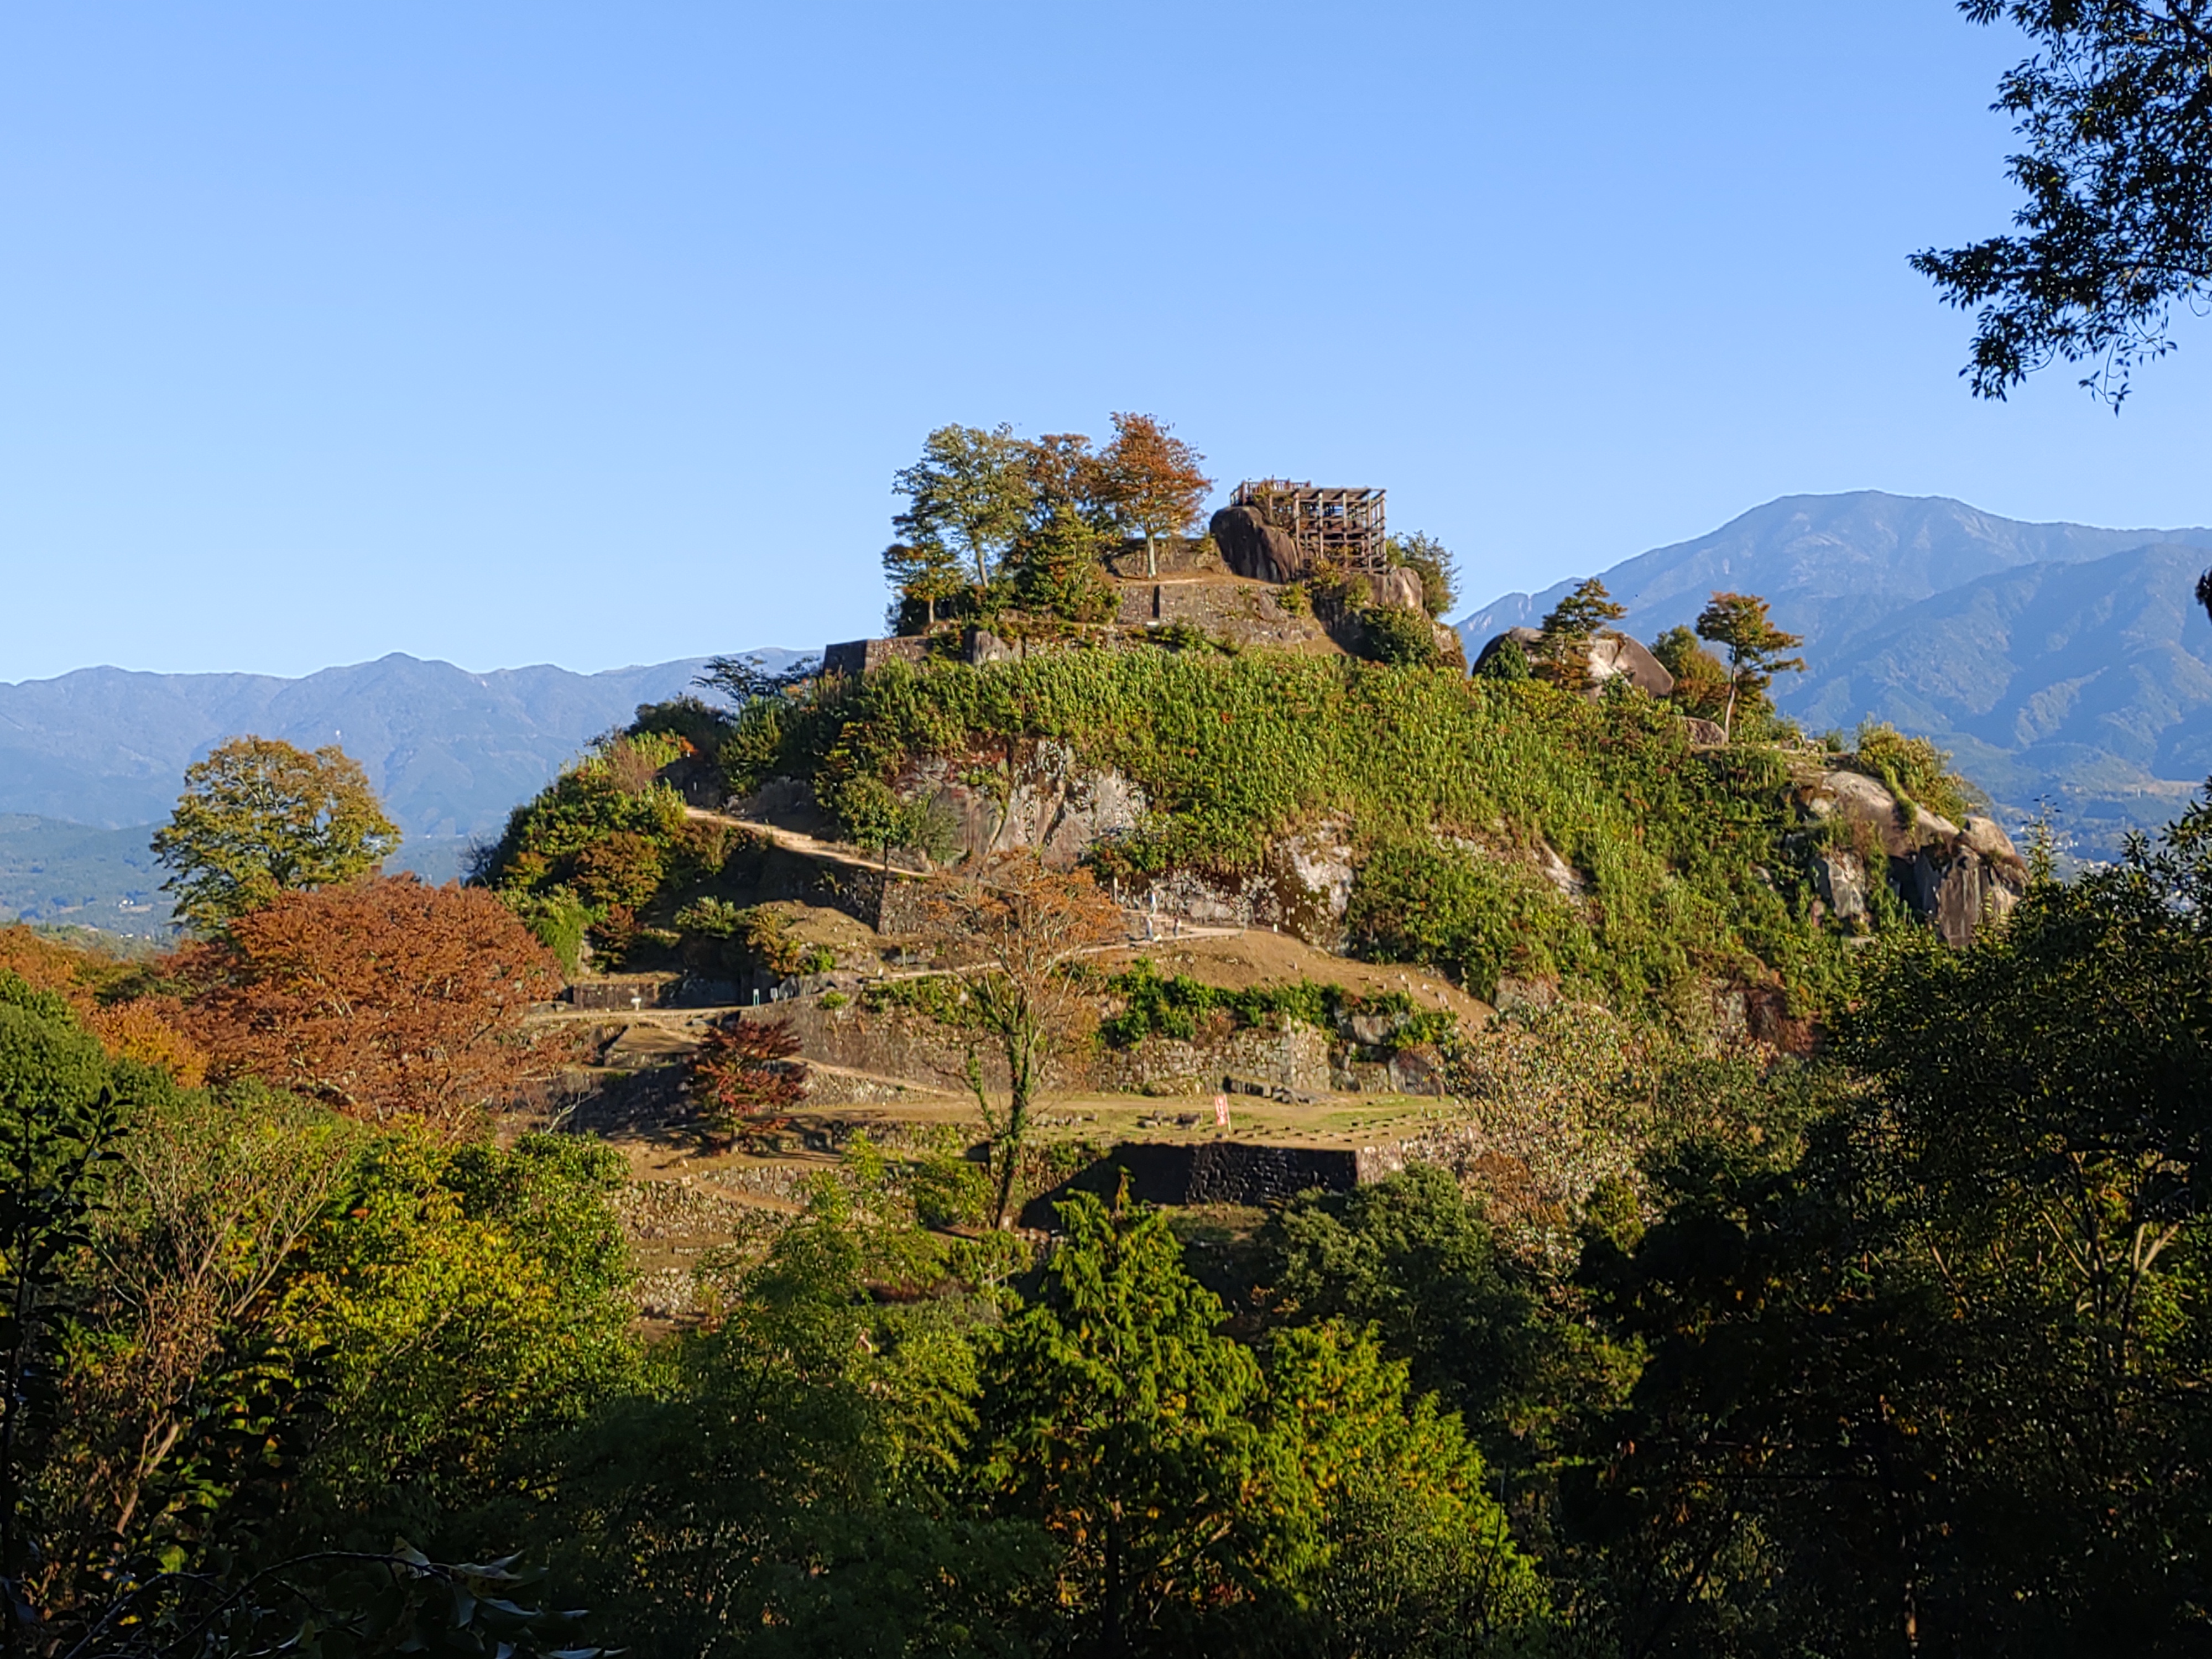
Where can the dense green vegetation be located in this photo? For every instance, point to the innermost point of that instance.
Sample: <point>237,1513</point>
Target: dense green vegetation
<point>242,1331</point>
<point>1898,1348</point>
<point>1680,849</point>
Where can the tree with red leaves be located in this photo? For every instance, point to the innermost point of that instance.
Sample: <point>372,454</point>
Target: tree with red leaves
<point>1152,481</point>
<point>746,1076</point>
<point>387,999</point>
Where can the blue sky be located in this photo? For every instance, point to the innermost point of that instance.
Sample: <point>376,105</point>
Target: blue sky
<point>593,335</point>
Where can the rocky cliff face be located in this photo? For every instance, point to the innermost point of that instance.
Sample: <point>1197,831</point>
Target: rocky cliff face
<point>1957,877</point>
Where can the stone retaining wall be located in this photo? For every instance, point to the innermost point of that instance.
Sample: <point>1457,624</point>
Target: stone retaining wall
<point>1295,1058</point>
<point>1203,1172</point>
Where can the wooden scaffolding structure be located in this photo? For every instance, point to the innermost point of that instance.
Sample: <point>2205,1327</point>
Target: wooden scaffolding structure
<point>1340,527</point>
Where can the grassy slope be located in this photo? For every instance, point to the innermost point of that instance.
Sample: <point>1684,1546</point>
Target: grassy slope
<point>1681,849</point>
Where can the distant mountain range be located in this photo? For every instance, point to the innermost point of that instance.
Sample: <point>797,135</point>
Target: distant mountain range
<point>2061,663</point>
<point>2067,668</point>
<point>93,754</point>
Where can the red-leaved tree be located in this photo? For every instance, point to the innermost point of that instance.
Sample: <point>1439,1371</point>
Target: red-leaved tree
<point>746,1075</point>
<point>387,999</point>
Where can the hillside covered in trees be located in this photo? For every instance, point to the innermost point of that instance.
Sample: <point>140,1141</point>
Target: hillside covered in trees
<point>1151,1110</point>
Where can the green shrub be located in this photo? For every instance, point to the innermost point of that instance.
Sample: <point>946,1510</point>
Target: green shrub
<point>949,1191</point>
<point>1157,1004</point>
<point>559,920</point>
<point>1404,639</point>
<point>612,793</point>
<point>1471,916</point>
<point>1914,770</point>
<point>1507,665</point>
<point>693,719</point>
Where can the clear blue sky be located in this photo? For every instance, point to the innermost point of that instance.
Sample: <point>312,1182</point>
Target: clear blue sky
<point>592,334</point>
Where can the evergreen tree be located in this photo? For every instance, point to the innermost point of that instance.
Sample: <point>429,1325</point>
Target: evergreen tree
<point>1569,629</point>
<point>923,572</point>
<point>1755,645</point>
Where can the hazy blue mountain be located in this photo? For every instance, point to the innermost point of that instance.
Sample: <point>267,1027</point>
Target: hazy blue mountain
<point>2059,662</point>
<point>451,752</point>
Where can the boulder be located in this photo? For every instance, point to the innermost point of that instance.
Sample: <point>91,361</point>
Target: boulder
<point>1611,656</point>
<point>1857,798</point>
<point>983,646</point>
<point>1840,879</point>
<point>1250,546</point>
<point>1987,837</point>
<point>1969,896</point>
<point>1956,878</point>
<point>1703,732</point>
<point>1399,589</point>
<point>1616,656</point>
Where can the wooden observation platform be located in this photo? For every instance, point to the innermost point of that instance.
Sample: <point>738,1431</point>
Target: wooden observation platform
<point>1339,527</point>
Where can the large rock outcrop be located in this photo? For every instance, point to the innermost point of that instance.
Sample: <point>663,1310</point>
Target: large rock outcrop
<point>1250,546</point>
<point>1396,589</point>
<point>1957,877</point>
<point>1608,656</point>
<point>1042,802</point>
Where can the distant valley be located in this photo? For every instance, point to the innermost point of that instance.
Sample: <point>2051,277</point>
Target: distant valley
<point>2068,668</point>
<point>90,761</point>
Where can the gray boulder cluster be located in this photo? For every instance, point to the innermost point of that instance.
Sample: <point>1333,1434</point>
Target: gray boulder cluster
<point>1253,548</point>
<point>1608,656</point>
<point>1957,877</point>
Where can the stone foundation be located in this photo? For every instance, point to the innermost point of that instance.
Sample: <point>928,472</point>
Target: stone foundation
<point>1213,1172</point>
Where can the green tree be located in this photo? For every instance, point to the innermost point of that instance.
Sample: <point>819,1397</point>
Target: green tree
<point>1055,566</point>
<point>61,1116</point>
<point>1415,1259</point>
<point>259,818</point>
<point>1701,679</point>
<point>209,1205</point>
<point>1932,1386</point>
<point>1387,1538</point>
<point>1116,1415</point>
<point>969,494</point>
<point>792,1482</point>
<point>454,1302</point>
<point>1431,561</point>
<point>923,572</point>
<point>1569,627</point>
<point>1755,645</point>
<point>2117,227</point>
<point>747,680</point>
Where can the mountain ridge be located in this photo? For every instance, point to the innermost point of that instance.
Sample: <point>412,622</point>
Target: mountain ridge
<point>450,751</point>
<point>2059,662</point>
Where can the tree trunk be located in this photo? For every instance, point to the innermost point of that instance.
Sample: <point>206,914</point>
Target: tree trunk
<point>1152,559</point>
<point>1017,1124</point>
<point>1112,1635</point>
<point>1728,715</point>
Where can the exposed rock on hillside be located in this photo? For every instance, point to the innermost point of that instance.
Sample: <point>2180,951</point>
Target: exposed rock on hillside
<point>1958,878</point>
<point>1039,800</point>
<point>1253,547</point>
<point>1609,656</point>
<point>1396,589</point>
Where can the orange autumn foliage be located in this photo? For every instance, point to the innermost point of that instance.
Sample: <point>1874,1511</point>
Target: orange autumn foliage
<point>387,999</point>
<point>45,965</point>
<point>150,1029</point>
